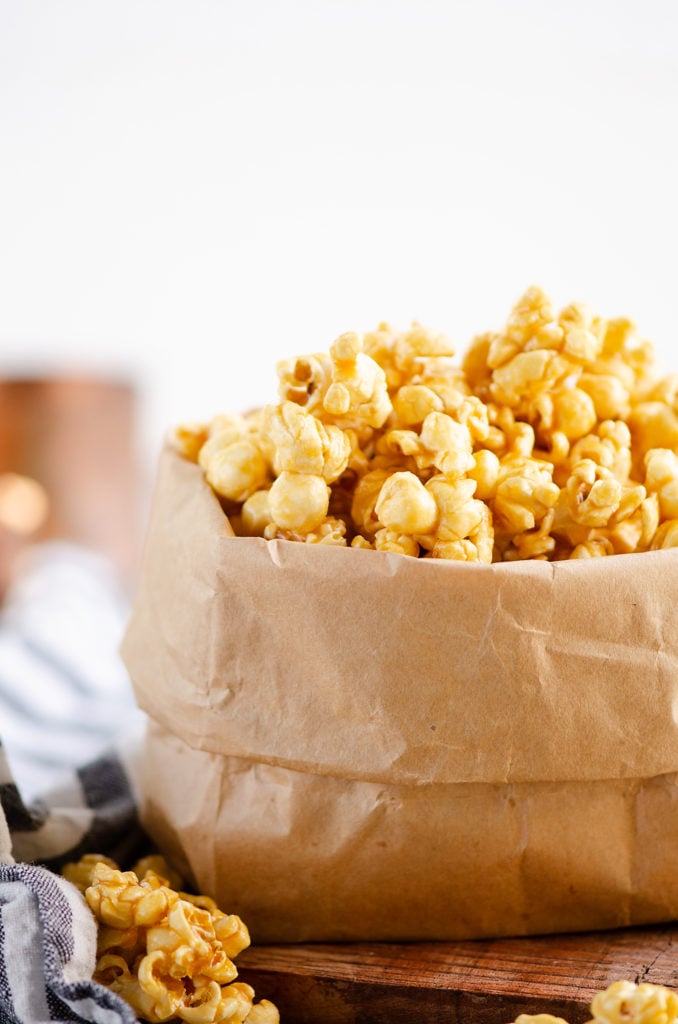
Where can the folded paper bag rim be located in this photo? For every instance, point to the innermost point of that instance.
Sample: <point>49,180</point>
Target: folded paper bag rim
<point>370,665</point>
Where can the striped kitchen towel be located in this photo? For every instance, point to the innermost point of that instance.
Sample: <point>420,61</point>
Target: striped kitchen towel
<point>67,772</point>
<point>47,932</point>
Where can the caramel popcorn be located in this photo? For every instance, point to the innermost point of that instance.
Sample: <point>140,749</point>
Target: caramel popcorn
<point>168,953</point>
<point>623,1002</point>
<point>539,1018</point>
<point>553,438</point>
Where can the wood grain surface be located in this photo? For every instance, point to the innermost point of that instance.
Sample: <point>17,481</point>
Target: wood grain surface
<point>488,981</point>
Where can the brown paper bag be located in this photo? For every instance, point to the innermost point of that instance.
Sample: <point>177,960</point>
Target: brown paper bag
<point>350,744</point>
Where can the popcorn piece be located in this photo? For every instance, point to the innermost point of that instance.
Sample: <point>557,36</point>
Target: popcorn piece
<point>300,443</point>
<point>609,447</point>
<point>447,445</point>
<point>527,373</point>
<point>298,501</point>
<point>117,898</point>
<point>363,507</point>
<point>530,318</point>
<point>538,1018</point>
<point>413,403</point>
<point>255,514</point>
<point>666,535</point>
<point>305,380</point>
<point>507,435</point>
<point>485,471</point>
<point>398,543</point>
<point>661,478</point>
<point>81,872</point>
<point>358,385</point>
<point>331,531</point>
<point>536,543</point>
<point>405,505</point>
<point>596,547</point>
<point>443,444</point>
<point>626,1003</point>
<point>186,938</point>
<point>608,393</point>
<point>188,439</point>
<point>237,470</point>
<point>263,1013</point>
<point>419,345</point>
<point>464,527</point>
<point>653,425</point>
<point>572,413</point>
<point>361,542</point>
<point>592,495</point>
<point>407,355</point>
<point>156,869</point>
<point>524,494</point>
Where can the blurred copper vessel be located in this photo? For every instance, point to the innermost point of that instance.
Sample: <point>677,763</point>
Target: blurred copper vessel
<point>75,437</point>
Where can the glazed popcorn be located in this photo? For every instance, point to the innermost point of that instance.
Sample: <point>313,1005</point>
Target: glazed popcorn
<point>169,954</point>
<point>553,438</point>
<point>623,1003</point>
<point>539,1018</point>
<point>626,1003</point>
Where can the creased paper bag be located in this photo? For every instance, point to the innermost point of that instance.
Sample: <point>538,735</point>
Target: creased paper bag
<point>351,744</point>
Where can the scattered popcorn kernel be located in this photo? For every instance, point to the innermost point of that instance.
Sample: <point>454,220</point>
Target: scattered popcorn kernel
<point>623,1002</point>
<point>81,872</point>
<point>169,954</point>
<point>157,869</point>
<point>538,1018</point>
<point>626,1003</point>
<point>263,1013</point>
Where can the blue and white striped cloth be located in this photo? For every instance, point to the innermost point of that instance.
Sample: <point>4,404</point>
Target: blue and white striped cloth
<point>69,733</point>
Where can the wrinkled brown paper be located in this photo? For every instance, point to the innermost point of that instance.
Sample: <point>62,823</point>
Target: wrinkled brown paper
<point>350,744</point>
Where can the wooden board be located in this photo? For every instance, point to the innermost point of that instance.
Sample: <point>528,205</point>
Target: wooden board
<point>482,982</point>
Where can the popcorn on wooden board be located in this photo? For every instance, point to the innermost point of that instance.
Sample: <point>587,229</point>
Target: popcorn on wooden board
<point>623,1002</point>
<point>168,953</point>
<point>558,431</point>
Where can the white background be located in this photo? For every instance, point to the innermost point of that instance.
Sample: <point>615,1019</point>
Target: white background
<point>193,189</point>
